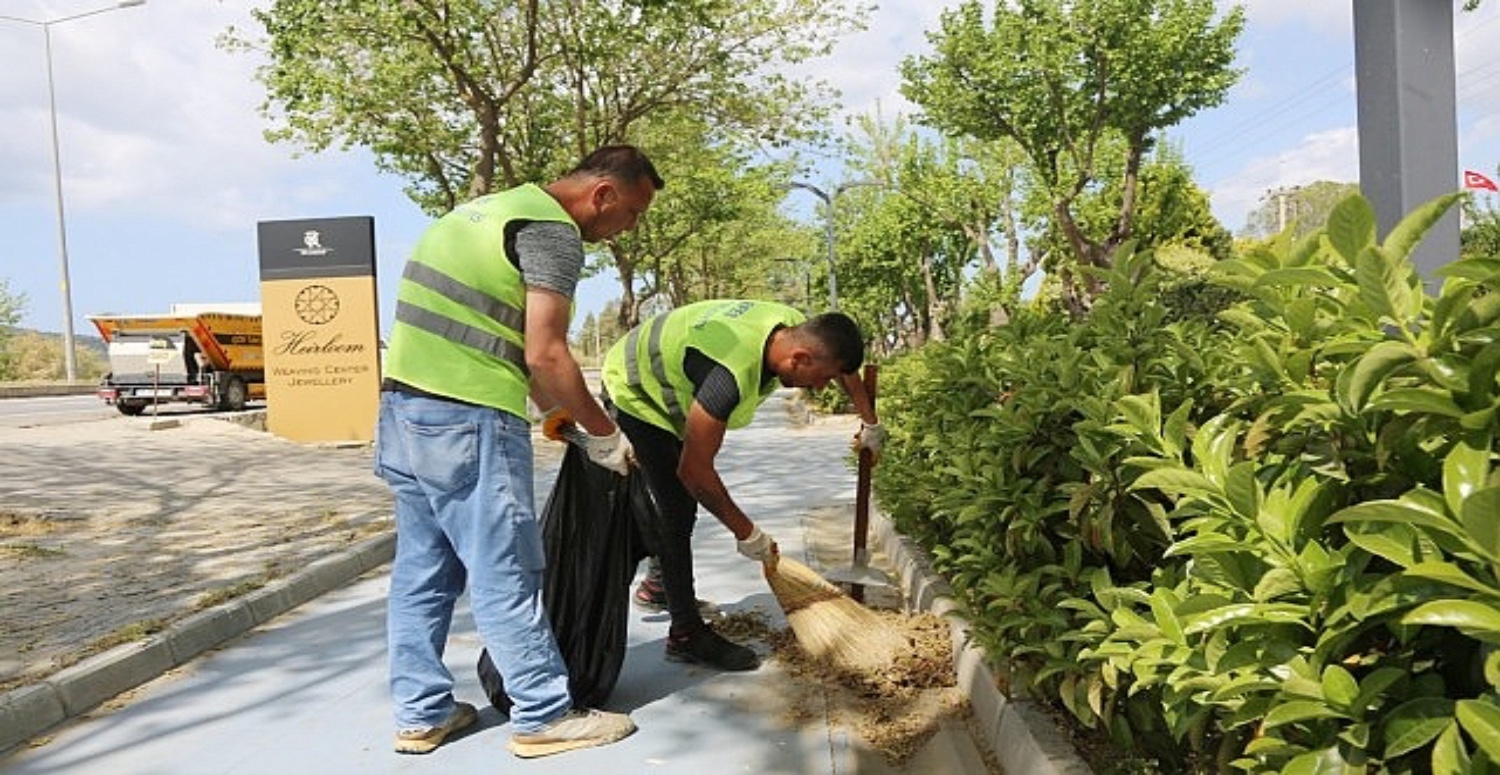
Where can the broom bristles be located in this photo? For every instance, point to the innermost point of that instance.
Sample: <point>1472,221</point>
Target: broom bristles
<point>828,624</point>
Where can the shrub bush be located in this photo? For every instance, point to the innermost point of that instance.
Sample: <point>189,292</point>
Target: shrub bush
<point>1263,541</point>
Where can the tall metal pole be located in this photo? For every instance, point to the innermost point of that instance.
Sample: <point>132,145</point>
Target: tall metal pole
<point>829,198</point>
<point>829,237</point>
<point>833,275</point>
<point>70,363</point>
<point>1408,120</point>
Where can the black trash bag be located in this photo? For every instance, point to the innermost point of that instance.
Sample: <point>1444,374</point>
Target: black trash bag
<point>592,529</point>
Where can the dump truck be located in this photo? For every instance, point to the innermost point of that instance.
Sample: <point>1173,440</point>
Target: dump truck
<point>192,354</point>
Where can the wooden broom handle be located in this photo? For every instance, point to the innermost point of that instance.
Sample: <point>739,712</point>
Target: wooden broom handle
<point>862,486</point>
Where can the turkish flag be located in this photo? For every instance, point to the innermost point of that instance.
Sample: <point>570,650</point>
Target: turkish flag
<point>1473,179</point>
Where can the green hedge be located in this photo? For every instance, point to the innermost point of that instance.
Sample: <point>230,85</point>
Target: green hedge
<point>1266,540</point>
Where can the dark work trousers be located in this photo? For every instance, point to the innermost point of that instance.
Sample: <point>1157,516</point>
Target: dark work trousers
<point>657,452</point>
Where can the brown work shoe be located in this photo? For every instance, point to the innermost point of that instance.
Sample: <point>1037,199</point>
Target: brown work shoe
<point>575,729</point>
<point>427,739</point>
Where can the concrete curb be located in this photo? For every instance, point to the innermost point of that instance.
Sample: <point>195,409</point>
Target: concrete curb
<point>31,710</point>
<point>22,390</point>
<point>1019,735</point>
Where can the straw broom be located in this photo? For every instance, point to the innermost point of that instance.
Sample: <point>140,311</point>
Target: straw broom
<point>828,624</point>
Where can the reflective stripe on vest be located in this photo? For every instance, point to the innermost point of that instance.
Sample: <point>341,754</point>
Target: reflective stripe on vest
<point>460,318</point>
<point>463,333</point>
<point>673,405</point>
<point>652,386</point>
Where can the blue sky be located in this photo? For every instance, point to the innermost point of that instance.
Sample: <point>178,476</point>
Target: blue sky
<point>165,173</point>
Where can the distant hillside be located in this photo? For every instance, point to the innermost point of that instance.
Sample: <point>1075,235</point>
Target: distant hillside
<point>80,340</point>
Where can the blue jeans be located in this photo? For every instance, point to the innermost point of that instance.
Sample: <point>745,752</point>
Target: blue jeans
<point>462,480</point>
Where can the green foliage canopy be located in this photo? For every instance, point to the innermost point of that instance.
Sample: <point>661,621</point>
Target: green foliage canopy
<point>462,97</point>
<point>11,307</point>
<point>1061,77</point>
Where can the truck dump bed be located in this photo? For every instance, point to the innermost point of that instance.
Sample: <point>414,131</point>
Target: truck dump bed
<point>199,357</point>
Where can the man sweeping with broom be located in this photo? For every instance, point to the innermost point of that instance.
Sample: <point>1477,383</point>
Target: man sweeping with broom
<point>678,381</point>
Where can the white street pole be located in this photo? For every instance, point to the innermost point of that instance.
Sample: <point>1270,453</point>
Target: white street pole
<point>70,363</point>
<point>829,235</point>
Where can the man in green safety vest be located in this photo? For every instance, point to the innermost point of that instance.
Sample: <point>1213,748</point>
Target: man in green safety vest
<point>678,381</point>
<point>482,317</point>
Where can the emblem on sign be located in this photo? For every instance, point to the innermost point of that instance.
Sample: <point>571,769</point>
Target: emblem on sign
<point>316,304</point>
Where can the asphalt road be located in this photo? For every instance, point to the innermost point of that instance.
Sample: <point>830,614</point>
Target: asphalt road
<point>66,410</point>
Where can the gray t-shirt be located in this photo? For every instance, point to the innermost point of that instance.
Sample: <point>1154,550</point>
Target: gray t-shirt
<point>549,255</point>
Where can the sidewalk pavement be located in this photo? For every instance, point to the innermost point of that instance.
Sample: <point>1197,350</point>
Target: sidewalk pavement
<point>305,691</point>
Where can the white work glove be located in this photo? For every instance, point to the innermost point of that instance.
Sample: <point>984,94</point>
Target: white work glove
<point>613,451</point>
<point>871,436</point>
<point>758,546</point>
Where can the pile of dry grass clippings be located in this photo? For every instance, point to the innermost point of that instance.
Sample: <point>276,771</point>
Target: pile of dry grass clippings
<point>829,624</point>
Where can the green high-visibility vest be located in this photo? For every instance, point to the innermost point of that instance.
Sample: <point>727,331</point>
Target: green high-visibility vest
<point>461,305</point>
<point>643,372</point>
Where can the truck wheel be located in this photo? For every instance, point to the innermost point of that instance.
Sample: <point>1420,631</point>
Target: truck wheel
<point>235,393</point>
<point>130,410</point>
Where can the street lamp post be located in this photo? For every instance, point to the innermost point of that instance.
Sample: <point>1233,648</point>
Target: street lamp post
<point>829,199</point>
<point>70,362</point>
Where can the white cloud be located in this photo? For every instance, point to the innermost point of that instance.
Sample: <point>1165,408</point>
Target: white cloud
<point>153,118</point>
<point>1328,16</point>
<point>865,66</point>
<point>1328,155</point>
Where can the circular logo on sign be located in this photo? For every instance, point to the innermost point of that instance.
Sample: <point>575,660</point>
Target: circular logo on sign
<point>317,304</point>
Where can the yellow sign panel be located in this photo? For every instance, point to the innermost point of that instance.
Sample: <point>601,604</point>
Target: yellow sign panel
<point>322,358</point>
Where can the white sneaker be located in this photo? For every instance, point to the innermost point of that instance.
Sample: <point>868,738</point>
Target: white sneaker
<point>574,729</point>
<point>427,739</point>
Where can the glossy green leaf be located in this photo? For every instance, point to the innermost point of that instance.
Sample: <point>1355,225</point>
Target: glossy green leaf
<point>1373,367</point>
<point>1480,515</point>
<point>1465,471</point>
<point>1383,284</point>
<point>1351,227</point>
<point>1326,761</point>
<point>1482,419</point>
<point>1399,512</point>
<point>1315,276</point>
<point>1421,400</point>
<point>1340,689</point>
<point>1407,232</point>
<point>1391,541</point>
<point>1449,756</point>
<point>1448,573</point>
<point>1247,614</point>
<point>1299,710</point>
<point>1166,619</point>
<point>1276,583</point>
<point>1415,723</point>
<point>1469,616</point>
<point>1242,491</point>
<point>1176,481</point>
<point>1481,721</point>
<point>1473,268</point>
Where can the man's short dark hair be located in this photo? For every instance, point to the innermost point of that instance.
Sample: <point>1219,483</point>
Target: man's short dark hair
<point>625,163</point>
<point>841,338</point>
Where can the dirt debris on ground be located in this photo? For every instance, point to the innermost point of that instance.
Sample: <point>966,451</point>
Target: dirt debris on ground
<point>110,531</point>
<point>893,708</point>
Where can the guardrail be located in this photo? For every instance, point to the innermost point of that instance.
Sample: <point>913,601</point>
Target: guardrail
<point>34,389</point>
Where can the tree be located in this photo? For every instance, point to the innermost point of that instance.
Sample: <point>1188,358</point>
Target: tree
<point>713,232</point>
<point>1174,211</point>
<point>932,221</point>
<point>11,307</point>
<point>1480,237</point>
<point>464,97</point>
<point>1302,209</point>
<point>1060,77</point>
